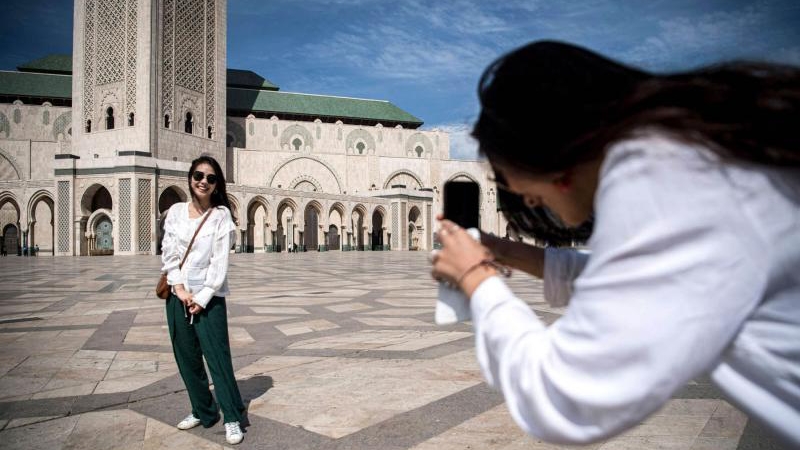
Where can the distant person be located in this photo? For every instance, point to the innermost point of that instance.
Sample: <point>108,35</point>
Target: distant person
<point>36,250</point>
<point>25,250</point>
<point>196,311</point>
<point>693,181</point>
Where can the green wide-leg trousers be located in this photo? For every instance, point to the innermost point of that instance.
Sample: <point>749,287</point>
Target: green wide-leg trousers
<point>206,336</point>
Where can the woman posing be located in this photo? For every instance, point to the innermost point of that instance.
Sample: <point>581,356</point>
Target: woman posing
<point>693,182</point>
<point>196,311</point>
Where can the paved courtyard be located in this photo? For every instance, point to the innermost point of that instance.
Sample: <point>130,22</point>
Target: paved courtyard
<point>332,351</point>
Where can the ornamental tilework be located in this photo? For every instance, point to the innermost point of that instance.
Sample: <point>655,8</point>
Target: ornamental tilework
<point>130,58</point>
<point>403,228</point>
<point>189,44</point>
<point>395,231</point>
<point>63,216</point>
<point>145,206</point>
<point>211,59</point>
<point>428,226</point>
<point>167,54</point>
<point>88,60</point>
<point>62,124</point>
<point>110,42</point>
<point>125,215</point>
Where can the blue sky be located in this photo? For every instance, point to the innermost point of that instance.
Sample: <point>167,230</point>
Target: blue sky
<point>426,56</point>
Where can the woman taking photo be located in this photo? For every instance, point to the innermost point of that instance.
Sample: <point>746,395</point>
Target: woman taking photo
<point>693,183</point>
<point>196,311</point>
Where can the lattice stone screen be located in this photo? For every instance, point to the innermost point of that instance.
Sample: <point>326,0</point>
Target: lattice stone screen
<point>63,216</point>
<point>428,226</point>
<point>145,213</point>
<point>88,60</point>
<point>125,215</point>
<point>395,231</point>
<point>403,227</point>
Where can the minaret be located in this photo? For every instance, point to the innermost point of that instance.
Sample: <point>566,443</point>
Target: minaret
<point>148,96</point>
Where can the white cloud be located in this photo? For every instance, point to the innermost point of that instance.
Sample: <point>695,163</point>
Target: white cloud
<point>462,145</point>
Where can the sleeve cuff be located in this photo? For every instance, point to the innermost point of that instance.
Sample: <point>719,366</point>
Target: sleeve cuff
<point>491,292</point>
<point>203,296</point>
<point>174,277</point>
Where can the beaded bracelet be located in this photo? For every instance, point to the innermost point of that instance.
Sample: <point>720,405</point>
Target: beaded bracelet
<point>501,269</point>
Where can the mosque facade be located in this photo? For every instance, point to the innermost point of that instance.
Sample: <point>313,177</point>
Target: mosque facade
<point>95,146</point>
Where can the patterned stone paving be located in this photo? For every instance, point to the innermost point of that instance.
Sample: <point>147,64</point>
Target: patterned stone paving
<point>332,350</point>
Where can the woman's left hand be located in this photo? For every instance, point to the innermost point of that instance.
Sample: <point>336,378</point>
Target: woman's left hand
<point>194,308</point>
<point>456,261</point>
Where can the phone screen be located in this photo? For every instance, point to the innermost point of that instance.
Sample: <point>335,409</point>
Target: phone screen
<point>462,203</point>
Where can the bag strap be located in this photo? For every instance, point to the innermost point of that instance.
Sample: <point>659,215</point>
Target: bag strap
<point>189,248</point>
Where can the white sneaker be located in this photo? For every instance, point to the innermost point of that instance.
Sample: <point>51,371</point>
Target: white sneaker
<point>189,422</point>
<point>233,434</point>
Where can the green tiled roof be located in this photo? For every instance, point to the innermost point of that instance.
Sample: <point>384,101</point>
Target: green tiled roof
<point>321,106</point>
<point>55,63</point>
<point>249,79</point>
<point>27,84</point>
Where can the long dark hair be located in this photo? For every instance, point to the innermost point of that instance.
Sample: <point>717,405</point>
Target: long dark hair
<point>220,195</point>
<point>549,105</point>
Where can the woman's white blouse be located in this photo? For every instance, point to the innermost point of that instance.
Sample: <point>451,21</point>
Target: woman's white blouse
<point>695,268</point>
<point>205,272</point>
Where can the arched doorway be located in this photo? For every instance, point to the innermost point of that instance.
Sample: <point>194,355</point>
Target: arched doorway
<point>357,226</point>
<point>11,240</point>
<point>42,232</point>
<point>169,197</point>
<point>333,238</point>
<point>310,238</point>
<point>9,223</point>
<point>257,233</point>
<point>96,207</point>
<point>284,233</point>
<point>413,235</point>
<point>377,230</point>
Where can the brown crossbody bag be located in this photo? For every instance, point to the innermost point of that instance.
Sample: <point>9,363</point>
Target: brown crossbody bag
<point>162,288</point>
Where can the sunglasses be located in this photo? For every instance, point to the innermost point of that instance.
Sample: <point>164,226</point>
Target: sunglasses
<point>210,178</point>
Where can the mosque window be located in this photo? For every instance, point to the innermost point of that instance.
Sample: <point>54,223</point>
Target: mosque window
<point>419,151</point>
<point>187,126</point>
<point>360,147</point>
<point>209,132</point>
<point>297,143</point>
<point>110,118</point>
<point>130,119</point>
<point>166,120</point>
<point>89,126</point>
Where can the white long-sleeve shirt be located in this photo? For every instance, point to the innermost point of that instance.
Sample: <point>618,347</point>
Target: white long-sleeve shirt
<point>205,272</point>
<point>695,268</point>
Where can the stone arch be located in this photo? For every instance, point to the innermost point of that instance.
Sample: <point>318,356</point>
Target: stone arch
<point>358,221</point>
<point>463,176</point>
<point>414,221</point>
<point>170,195</point>
<point>10,225</point>
<point>291,133</point>
<point>41,229</point>
<point>9,169</point>
<point>61,126</point>
<point>403,176</point>
<point>284,167</point>
<point>100,241</point>
<point>312,219</point>
<point>286,220</point>
<point>363,136</point>
<point>299,181</point>
<point>237,133</point>
<point>95,197</point>
<point>418,140</point>
<point>377,234</point>
<point>257,224</point>
<point>336,226</point>
<point>235,208</point>
<point>5,125</point>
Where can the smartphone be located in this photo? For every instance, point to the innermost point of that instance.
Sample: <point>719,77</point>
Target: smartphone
<point>461,203</point>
